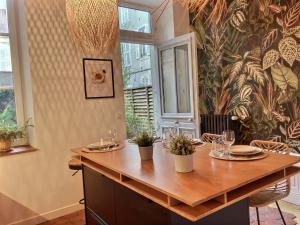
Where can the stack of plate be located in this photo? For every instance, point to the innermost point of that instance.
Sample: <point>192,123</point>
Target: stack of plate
<point>102,145</point>
<point>245,150</point>
<point>240,153</point>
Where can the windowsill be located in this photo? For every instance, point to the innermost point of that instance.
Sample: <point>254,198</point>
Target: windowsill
<point>18,150</point>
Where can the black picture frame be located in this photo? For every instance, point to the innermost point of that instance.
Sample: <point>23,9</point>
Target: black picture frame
<point>86,87</point>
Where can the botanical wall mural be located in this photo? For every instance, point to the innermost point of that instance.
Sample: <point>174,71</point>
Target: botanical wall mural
<point>249,65</point>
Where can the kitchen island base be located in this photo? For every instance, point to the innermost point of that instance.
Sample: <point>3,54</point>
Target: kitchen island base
<point>110,203</point>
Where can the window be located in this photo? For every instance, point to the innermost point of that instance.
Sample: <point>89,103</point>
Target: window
<point>11,109</point>
<point>175,80</point>
<point>137,69</point>
<point>124,18</point>
<point>133,19</point>
<point>126,57</point>
<point>137,74</point>
<point>142,50</point>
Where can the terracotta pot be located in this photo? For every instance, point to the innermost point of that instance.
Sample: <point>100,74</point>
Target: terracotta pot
<point>5,145</point>
<point>184,163</point>
<point>146,153</point>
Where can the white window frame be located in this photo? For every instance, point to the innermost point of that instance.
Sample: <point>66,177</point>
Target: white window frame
<point>13,38</point>
<point>133,36</point>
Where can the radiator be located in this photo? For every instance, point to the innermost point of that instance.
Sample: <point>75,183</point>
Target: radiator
<point>216,124</point>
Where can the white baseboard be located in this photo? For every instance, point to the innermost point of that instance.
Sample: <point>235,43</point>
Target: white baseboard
<point>49,215</point>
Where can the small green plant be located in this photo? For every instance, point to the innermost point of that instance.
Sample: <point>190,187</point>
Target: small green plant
<point>12,132</point>
<point>181,145</point>
<point>144,139</point>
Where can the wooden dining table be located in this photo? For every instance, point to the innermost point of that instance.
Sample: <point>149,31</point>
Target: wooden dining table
<point>121,189</point>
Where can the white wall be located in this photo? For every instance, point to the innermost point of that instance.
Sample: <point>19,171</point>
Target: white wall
<point>63,118</point>
<point>170,21</point>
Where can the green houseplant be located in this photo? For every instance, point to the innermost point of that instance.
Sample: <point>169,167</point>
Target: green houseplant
<point>145,142</point>
<point>183,149</point>
<point>9,133</point>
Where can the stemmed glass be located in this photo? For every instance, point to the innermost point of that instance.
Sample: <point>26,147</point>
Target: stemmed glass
<point>228,140</point>
<point>112,134</point>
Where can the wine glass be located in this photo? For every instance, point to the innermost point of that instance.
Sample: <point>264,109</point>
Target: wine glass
<point>112,134</point>
<point>228,140</point>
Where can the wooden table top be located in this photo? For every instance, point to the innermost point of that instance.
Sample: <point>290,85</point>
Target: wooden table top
<point>209,178</point>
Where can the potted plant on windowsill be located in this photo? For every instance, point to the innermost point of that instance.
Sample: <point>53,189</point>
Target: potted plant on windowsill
<point>145,142</point>
<point>9,133</point>
<point>183,149</point>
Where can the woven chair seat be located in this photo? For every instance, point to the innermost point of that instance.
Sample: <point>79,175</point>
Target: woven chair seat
<point>279,190</point>
<point>266,197</point>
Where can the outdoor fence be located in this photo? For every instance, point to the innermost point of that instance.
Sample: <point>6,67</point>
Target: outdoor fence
<point>139,109</point>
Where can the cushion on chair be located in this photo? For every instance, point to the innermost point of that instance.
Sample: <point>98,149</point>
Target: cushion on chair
<point>75,164</point>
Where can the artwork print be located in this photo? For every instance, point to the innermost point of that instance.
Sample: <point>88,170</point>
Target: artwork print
<point>98,78</point>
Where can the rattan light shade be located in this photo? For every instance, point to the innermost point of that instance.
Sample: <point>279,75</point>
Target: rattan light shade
<point>93,24</point>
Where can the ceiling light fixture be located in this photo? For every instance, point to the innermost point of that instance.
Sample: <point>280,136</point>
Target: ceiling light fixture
<point>93,23</point>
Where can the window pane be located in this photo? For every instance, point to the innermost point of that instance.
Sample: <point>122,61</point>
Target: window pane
<point>5,57</point>
<point>182,70</point>
<point>134,20</point>
<point>136,65</point>
<point>137,79</point>
<point>7,98</point>
<point>168,81</point>
<point>7,106</point>
<point>3,17</point>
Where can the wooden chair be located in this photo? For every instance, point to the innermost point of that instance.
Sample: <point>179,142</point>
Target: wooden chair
<point>278,191</point>
<point>208,138</point>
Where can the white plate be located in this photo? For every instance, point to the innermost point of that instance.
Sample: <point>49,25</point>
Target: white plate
<point>219,155</point>
<point>101,145</point>
<point>254,152</point>
<point>102,150</point>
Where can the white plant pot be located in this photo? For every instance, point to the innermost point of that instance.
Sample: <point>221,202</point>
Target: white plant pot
<point>183,163</point>
<point>146,153</point>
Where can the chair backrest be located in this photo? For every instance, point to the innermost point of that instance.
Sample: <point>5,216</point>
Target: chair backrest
<point>208,138</point>
<point>271,146</point>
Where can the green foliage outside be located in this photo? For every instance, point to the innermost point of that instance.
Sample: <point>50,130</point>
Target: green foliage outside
<point>135,124</point>
<point>181,145</point>
<point>7,107</point>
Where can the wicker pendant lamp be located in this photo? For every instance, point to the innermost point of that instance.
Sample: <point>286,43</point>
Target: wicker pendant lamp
<point>93,23</point>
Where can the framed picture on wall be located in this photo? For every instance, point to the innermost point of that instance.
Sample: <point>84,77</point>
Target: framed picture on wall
<point>98,78</point>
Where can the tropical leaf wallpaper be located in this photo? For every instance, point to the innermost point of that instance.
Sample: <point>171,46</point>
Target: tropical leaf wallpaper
<point>249,64</point>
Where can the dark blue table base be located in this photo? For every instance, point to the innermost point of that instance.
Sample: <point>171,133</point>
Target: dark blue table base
<point>109,203</point>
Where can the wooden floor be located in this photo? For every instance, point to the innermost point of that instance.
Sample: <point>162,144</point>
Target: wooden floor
<point>76,218</point>
<point>268,216</point>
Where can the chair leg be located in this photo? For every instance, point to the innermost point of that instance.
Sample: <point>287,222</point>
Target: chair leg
<point>280,213</point>
<point>257,214</point>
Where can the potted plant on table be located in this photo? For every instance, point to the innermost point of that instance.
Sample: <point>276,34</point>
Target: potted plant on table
<point>145,142</point>
<point>9,133</point>
<point>183,149</point>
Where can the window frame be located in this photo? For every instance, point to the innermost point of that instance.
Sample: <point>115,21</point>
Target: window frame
<point>133,36</point>
<point>15,63</point>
